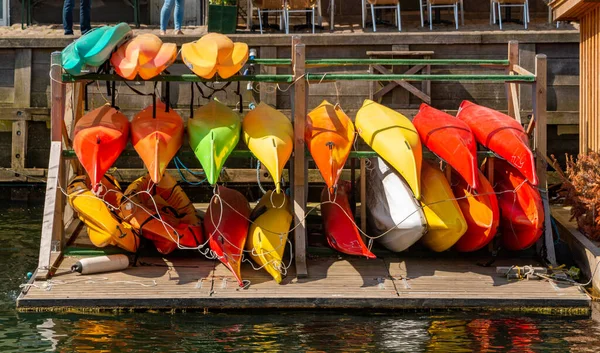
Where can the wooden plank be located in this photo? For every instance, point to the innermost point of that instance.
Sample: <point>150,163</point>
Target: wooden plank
<point>409,87</point>
<point>58,98</point>
<point>511,88</point>
<point>363,195</point>
<point>539,110</point>
<point>300,94</point>
<point>401,53</point>
<point>22,94</point>
<point>521,71</point>
<point>268,91</point>
<point>19,144</point>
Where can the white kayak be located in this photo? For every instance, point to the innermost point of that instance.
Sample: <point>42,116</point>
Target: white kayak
<point>392,205</point>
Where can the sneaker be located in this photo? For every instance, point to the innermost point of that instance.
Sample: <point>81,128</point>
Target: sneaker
<point>69,33</point>
<point>162,33</point>
<point>178,32</point>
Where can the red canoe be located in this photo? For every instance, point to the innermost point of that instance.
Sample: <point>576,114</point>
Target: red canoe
<point>450,139</point>
<point>522,212</point>
<point>501,134</point>
<point>100,137</point>
<point>480,211</point>
<point>341,231</point>
<point>227,229</point>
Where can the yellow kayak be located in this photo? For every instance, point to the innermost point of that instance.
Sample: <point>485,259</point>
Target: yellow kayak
<point>214,53</point>
<point>446,223</point>
<point>104,228</point>
<point>394,138</point>
<point>268,233</point>
<point>270,137</point>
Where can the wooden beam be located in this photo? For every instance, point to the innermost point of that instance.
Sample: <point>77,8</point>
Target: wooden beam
<point>19,144</point>
<point>409,87</point>
<point>57,89</point>
<point>539,95</point>
<point>512,91</point>
<point>300,99</point>
<point>268,91</point>
<point>52,227</point>
<point>363,195</point>
<point>22,94</point>
<point>519,70</point>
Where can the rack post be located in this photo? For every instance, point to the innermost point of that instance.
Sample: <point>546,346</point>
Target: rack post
<point>512,90</point>
<point>299,112</point>
<point>539,95</point>
<point>52,225</point>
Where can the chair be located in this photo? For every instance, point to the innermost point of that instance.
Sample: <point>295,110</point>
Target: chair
<point>436,4</point>
<point>304,6</point>
<point>499,4</point>
<point>423,4</point>
<point>382,4</point>
<point>270,6</point>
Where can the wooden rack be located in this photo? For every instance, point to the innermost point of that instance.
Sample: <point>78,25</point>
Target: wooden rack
<point>59,221</point>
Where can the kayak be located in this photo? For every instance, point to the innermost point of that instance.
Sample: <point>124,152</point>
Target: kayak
<point>451,139</point>
<point>392,208</point>
<point>214,131</point>
<point>157,138</point>
<point>480,211</point>
<point>445,221</point>
<point>267,238</point>
<point>161,213</point>
<point>104,228</point>
<point>99,138</point>
<point>94,48</point>
<point>226,225</point>
<point>269,135</point>
<point>338,222</point>
<point>394,138</point>
<point>521,211</point>
<point>329,136</point>
<point>501,134</point>
<point>145,55</point>
<point>214,53</point>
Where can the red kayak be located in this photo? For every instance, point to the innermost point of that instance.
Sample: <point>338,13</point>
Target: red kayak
<point>100,137</point>
<point>227,229</point>
<point>480,211</point>
<point>450,139</point>
<point>522,212</point>
<point>341,231</point>
<point>501,134</point>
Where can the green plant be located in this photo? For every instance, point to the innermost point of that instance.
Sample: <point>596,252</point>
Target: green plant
<point>223,2</point>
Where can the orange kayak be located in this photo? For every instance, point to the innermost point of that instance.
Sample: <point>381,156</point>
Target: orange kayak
<point>480,211</point>
<point>157,139</point>
<point>100,137</point>
<point>329,136</point>
<point>226,225</point>
<point>338,220</point>
<point>521,211</point>
<point>145,55</point>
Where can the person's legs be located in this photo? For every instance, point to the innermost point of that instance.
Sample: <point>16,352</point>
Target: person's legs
<point>84,15</point>
<point>68,16</point>
<point>165,14</point>
<point>179,5</point>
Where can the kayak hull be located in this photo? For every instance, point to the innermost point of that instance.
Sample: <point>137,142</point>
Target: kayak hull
<point>339,225</point>
<point>214,53</point>
<point>145,55</point>
<point>445,221</point>
<point>329,136</point>
<point>394,138</point>
<point>451,139</point>
<point>226,225</point>
<point>392,208</point>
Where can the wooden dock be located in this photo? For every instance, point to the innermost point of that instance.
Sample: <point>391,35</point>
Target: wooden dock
<point>390,283</point>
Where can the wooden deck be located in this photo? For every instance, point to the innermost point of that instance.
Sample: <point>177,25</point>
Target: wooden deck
<point>390,283</point>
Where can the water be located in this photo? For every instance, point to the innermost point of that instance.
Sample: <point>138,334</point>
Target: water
<point>255,332</point>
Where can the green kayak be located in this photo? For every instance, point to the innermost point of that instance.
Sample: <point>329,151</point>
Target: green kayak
<point>214,131</point>
<point>94,48</point>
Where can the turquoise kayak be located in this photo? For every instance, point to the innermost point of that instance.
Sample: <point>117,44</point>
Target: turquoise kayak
<point>94,48</point>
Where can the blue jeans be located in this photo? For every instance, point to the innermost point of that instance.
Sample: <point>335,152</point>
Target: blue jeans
<point>165,14</point>
<point>84,16</point>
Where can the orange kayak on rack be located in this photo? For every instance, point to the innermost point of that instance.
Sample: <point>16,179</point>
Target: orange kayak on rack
<point>521,211</point>
<point>329,136</point>
<point>145,55</point>
<point>480,211</point>
<point>157,138</point>
<point>226,225</point>
<point>100,137</point>
<point>338,220</point>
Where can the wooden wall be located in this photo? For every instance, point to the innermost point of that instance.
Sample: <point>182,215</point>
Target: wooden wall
<point>590,82</point>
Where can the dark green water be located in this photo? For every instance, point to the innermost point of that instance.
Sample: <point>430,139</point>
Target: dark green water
<point>286,332</point>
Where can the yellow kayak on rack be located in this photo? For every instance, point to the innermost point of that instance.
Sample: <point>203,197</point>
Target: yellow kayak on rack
<point>103,226</point>
<point>267,238</point>
<point>270,137</point>
<point>394,138</point>
<point>445,221</point>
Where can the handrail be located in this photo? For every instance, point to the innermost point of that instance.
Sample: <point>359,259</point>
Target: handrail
<point>425,77</point>
<point>181,78</point>
<point>346,62</point>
